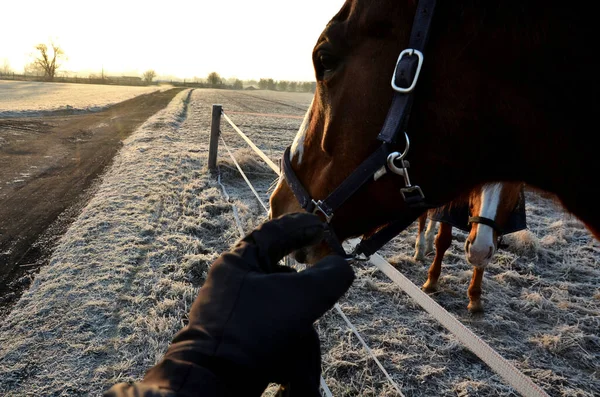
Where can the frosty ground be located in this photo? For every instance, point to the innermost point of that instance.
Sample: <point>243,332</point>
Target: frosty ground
<point>122,279</point>
<point>30,98</point>
<point>48,166</point>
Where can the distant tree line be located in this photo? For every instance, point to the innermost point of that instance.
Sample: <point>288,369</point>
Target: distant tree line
<point>45,65</point>
<point>92,79</point>
<point>284,85</point>
<point>214,80</point>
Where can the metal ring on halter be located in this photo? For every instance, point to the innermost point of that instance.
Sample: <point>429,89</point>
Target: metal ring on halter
<point>397,156</point>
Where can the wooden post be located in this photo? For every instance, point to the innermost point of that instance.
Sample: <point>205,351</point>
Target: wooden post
<point>215,128</point>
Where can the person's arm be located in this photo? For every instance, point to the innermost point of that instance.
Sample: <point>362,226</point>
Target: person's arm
<point>252,322</point>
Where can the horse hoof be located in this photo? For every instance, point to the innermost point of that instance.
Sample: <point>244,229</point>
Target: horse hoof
<point>475,307</point>
<point>430,287</point>
<point>419,257</point>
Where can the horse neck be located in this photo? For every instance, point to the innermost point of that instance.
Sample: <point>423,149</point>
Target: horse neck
<point>526,108</point>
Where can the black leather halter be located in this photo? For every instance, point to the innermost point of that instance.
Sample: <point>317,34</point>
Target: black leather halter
<point>486,221</point>
<point>382,161</point>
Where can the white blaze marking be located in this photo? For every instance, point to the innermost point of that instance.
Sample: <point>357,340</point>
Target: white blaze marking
<point>298,145</point>
<point>484,240</point>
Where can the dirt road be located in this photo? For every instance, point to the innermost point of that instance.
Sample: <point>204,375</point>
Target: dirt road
<point>48,166</point>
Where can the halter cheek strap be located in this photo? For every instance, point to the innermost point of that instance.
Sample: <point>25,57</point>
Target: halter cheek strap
<point>294,183</point>
<point>407,73</point>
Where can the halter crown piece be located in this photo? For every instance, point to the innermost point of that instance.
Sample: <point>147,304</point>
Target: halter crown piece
<point>404,80</point>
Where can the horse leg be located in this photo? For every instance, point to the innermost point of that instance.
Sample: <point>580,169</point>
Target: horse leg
<point>474,291</point>
<point>442,243</point>
<point>419,250</point>
<point>430,236</point>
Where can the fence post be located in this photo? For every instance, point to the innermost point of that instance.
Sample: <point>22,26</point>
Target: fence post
<point>215,127</point>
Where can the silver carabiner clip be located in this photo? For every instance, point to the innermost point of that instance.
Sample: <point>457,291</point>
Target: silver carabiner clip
<point>394,156</point>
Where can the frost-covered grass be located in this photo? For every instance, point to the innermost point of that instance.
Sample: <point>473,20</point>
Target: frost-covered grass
<point>27,98</point>
<point>121,281</point>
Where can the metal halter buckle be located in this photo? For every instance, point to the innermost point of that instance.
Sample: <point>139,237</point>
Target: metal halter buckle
<point>409,52</point>
<point>318,209</point>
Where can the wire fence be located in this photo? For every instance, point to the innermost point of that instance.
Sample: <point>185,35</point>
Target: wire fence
<point>511,374</point>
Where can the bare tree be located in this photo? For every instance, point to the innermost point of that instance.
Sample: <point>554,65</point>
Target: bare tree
<point>47,59</point>
<point>149,75</point>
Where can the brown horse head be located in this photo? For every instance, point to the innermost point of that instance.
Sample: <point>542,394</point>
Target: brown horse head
<point>490,209</point>
<point>340,126</point>
<point>504,94</point>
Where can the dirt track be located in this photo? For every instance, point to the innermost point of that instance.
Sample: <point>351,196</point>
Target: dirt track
<point>48,166</point>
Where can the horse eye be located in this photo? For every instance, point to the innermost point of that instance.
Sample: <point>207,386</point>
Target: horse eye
<point>328,62</point>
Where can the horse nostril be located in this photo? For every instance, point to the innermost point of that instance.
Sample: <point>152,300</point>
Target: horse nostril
<point>490,253</point>
<point>468,246</point>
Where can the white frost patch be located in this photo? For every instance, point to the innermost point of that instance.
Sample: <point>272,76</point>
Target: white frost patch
<point>26,98</point>
<point>119,281</point>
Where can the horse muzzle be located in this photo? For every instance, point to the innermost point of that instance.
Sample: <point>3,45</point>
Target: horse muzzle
<point>479,254</point>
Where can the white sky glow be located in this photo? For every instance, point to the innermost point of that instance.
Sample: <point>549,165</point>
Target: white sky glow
<point>236,38</point>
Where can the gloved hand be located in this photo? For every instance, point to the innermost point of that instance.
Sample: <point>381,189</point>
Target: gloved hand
<point>252,322</point>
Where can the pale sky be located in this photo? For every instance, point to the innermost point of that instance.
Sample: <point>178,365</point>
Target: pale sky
<point>236,38</point>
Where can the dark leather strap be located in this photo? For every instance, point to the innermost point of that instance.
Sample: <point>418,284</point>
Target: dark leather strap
<point>294,183</point>
<point>368,246</point>
<point>361,175</point>
<point>397,116</point>
<point>422,25</point>
<point>486,221</point>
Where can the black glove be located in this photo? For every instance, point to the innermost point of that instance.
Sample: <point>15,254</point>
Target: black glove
<point>252,322</point>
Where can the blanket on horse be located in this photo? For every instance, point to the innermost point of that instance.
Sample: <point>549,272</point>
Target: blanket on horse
<point>457,215</point>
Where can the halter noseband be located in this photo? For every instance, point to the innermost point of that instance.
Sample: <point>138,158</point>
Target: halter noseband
<point>384,159</point>
<point>486,221</point>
